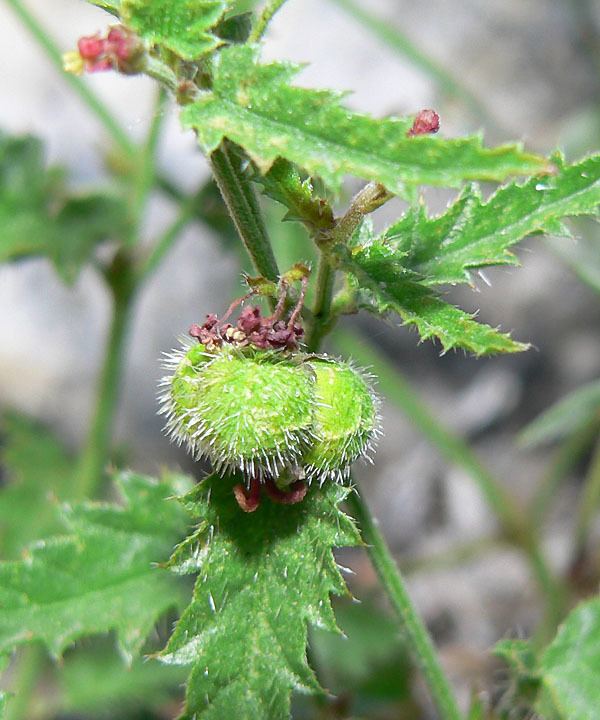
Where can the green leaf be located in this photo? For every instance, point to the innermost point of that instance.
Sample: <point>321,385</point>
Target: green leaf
<point>566,417</point>
<point>182,27</point>
<point>3,702</point>
<point>570,666</point>
<point>37,471</point>
<point>262,577</point>
<point>386,285</point>
<point>111,6</point>
<point>100,576</point>
<point>38,218</point>
<point>475,234</point>
<point>369,660</point>
<point>256,107</point>
<point>94,682</point>
<point>284,184</point>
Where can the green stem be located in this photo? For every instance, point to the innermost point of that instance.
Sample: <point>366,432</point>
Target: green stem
<point>589,503</point>
<point>420,643</point>
<point>243,207</point>
<point>30,664</point>
<point>187,212</point>
<point>515,523</point>
<point>400,43</point>
<point>97,447</point>
<point>106,118</point>
<point>144,172</point>
<point>322,305</point>
<point>265,18</point>
<point>559,466</point>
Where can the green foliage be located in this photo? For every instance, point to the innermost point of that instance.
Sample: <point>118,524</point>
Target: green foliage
<point>570,666</point>
<point>94,681</point>
<point>255,106</point>
<point>473,233</point>
<point>566,417</point>
<point>38,217</point>
<point>98,577</point>
<point>37,472</point>
<point>262,578</point>
<point>369,660</point>
<point>111,6</point>
<point>384,284</point>
<point>182,27</point>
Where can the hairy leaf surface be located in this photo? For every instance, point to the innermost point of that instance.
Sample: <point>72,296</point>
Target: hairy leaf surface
<point>387,286</point>
<point>255,106</point>
<point>37,472</point>
<point>262,578</point>
<point>182,27</point>
<point>100,576</point>
<point>38,217</point>
<point>474,234</point>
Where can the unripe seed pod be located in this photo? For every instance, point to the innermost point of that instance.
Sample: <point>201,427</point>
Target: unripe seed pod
<point>345,421</point>
<point>243,409</point>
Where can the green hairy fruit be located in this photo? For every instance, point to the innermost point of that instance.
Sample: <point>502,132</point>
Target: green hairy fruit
<point>242,409</point>
<point>268,412</point>
<point>345,421</point>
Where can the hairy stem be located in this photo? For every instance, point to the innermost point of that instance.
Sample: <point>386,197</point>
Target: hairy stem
<point>93,102</point>
<point>243,207</point>
<point>514,522</point>
<point>265,18</point>
<point>420,643</point>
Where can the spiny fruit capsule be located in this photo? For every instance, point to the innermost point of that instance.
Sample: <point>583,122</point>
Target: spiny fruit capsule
<point>345,420</point>
<point>270,414</point>
<point>242,408</point>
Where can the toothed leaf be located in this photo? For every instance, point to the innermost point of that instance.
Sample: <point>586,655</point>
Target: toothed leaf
<point>387,286</point>
<point>37,472</point>
<point>99,576</point>
<point>182,27</point>
<point>475,234</point>
<point>37,217</point>
<point>255,106</point>
<point>262,578</point>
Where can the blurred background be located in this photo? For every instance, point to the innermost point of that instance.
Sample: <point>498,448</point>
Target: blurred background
<point>514,70</point>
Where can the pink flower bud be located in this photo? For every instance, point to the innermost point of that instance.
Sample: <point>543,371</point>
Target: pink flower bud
<point>425,122</point>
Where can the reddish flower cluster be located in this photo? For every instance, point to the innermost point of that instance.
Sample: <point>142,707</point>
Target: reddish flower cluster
<point>266,333</point>
<point>425,122</point>
<point>120,50</point>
